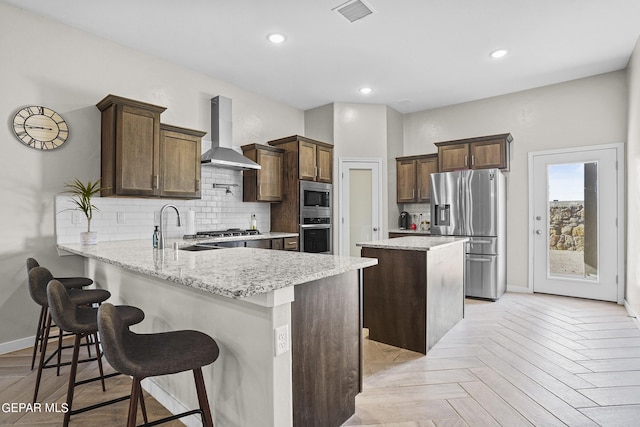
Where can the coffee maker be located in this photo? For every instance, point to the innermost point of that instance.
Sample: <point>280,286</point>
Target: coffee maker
<point>404,220</point>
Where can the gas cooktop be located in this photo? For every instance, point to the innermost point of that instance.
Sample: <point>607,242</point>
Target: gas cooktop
<point>231,232</point>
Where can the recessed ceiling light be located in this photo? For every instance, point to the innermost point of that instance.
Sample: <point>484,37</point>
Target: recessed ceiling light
<point>276,38</point>
<point>499,53</point>
<point>365,90</point>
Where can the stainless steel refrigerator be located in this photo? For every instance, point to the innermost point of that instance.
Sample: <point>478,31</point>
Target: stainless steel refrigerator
<point>472,203</point>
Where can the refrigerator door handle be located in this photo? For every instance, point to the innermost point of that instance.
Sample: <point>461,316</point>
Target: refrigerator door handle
<point>479,259</point>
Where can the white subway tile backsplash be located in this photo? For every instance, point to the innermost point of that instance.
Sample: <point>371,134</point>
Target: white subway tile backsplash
<point>215,210</point>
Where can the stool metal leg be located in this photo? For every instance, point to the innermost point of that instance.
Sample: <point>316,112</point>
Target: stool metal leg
<point>39,332</point>
<point>72,378</point>
<point>43,351</point>
<point>202,398</point>
<point>60,333</point>
<point>99,356</point>
<point>133,403</point>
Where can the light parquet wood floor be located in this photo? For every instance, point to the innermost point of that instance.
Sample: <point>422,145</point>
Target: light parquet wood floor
<point>17,382</point>
<point>524,360</point>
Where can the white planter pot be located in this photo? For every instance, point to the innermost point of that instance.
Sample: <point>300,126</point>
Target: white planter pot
<point>89,237</point>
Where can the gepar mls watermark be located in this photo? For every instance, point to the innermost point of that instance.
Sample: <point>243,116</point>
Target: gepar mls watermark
<point>22,407</point>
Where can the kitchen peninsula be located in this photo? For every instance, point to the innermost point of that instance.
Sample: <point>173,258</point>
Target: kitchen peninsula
<point>415,294</point>
<point>241,297</point>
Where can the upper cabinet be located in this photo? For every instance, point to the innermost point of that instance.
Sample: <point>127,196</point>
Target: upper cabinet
<point>141,157</point>
<point>265,184</point>
<point>414,176</point>
<point>180,151</point>
<point>475,153</point>
<point>310,160</point>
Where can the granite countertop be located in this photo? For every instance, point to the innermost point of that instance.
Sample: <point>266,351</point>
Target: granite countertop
<point>414,243</point>
<point>409,232</point>
<point>230,272</point>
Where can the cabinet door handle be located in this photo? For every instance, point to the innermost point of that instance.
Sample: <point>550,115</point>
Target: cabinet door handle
<point>465,159</point>
<point>315,172</point>
<point>197,185</point>
<point>419,193</point>
<point>413,193</point>
<point>154,181</point>
<point>260,190</point>
<point>473,160</point>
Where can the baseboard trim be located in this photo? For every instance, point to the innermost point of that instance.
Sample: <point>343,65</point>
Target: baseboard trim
<point>8,347</point>
<point>520,289</point>
<point>170,402</point>
<point>632,313</point>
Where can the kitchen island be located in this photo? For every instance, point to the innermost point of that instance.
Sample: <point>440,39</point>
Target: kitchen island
<point>288,325</point>
<point>415,294</point>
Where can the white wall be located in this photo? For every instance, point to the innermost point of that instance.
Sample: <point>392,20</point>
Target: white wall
<point>70,71</point>
<point>395,138</point>
<point>318,123</point>
<point>578,113</point>
<point>360,130</point>
<point>633,183</point>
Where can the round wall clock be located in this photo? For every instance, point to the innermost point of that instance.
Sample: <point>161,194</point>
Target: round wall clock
<point>40,128</point>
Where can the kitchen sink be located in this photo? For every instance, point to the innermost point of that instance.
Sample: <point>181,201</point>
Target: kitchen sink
<point>200,247</point>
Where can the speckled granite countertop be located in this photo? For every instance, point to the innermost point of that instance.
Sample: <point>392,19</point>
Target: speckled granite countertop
<point>230,272</point>
<point>408,232</point>
<point>414,243</point>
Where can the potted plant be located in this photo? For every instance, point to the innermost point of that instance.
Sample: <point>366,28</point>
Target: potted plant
<point>82,194</point>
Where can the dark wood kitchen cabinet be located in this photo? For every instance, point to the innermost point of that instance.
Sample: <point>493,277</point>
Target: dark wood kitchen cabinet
<point>142,157</point>
<point>263,185</point>
<point>475,153</point>
<point>306,158</point>
<point>414,177</point>
<point>180,150</point>
<point>130,156</point>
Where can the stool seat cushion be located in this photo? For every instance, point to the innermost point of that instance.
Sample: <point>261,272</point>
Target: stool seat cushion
<point>39,278</point>
<point>70,318</point>
<point>166,353</point>
<point>88,296</point>
<point>74,282</point>
<point>147,355</point>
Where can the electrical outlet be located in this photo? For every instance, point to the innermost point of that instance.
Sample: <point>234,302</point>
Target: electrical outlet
<point>121,218</point>
<point>281,339</point>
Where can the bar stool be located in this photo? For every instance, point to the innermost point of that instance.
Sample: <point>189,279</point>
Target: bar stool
<point>82,322</point>
<point>68,282</point>
<point>150,355</point>
<point>39,277</point>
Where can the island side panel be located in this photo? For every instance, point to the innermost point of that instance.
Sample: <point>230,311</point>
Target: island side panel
<point>445,290</point>
<point>247,385</point>
<point>326,345</point>
<point>394,295</point>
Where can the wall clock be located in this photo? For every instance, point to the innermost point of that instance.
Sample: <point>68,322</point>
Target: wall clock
<point>40,128</point>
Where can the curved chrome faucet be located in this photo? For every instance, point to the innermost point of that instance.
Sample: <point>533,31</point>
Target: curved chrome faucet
<point>161,228</point>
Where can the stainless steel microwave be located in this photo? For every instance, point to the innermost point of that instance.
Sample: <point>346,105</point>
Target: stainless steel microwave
<point>315,195</point>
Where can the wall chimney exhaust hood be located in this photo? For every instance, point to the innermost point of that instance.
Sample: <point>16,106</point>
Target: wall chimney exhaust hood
<point>221,154</point>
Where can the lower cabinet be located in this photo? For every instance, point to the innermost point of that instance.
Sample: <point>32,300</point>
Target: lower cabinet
<point>279,244</point>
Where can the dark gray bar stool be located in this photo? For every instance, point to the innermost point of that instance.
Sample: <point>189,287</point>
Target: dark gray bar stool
<point>68,282</point>
<point>39,277</point>
<point>150,355</point>
<point>82,322</point>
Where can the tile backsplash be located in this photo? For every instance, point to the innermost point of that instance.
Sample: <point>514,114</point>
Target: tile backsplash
<point>128,218</point>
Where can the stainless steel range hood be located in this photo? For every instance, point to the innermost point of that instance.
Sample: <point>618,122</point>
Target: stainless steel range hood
<point>221,154</point>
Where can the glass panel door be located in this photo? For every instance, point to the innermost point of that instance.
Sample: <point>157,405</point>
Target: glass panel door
<point>573,220</point>
<point>576,247</point>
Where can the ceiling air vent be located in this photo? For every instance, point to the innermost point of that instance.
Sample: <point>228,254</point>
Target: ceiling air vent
<point>354,10</point>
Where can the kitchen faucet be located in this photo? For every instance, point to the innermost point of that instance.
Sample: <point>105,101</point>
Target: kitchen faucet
<point>161,237</point>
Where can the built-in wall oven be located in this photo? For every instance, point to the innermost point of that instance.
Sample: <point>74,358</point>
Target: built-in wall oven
<point>316,217</point>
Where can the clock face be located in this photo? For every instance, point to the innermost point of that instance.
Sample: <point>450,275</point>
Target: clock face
<point>40,128</point>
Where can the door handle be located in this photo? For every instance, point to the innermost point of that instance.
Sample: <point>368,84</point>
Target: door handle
<point>538,231</point>
<point>479,259</point>
<point>375,228</point>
